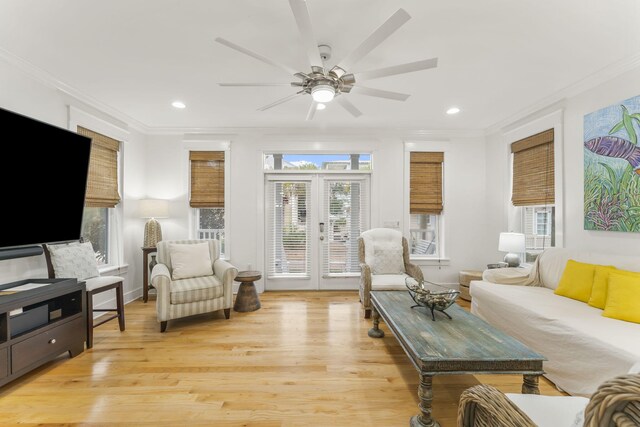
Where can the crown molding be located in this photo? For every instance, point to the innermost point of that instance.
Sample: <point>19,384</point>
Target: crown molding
<point>72,94</point>
<point>301,132</point>
<point>591,81</point>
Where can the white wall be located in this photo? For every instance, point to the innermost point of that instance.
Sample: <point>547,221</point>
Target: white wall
<point>22,93</point>
<point>167,177</point>
<point>573,109</point>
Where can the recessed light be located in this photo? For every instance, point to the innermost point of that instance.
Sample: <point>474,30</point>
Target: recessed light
<point>320,106</point>
<point>453,110</point>
<point>178,104</point>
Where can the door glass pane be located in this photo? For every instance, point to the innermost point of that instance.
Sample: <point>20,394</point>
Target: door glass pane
<point>346,212</point>
<point>288,232</point>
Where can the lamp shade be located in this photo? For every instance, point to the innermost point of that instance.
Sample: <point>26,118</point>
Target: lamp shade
<point>154,208</point>
<point>511,242</point>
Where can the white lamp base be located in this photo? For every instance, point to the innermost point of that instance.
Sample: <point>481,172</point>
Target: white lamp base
<point>512,259</point>
<point>152,233</point>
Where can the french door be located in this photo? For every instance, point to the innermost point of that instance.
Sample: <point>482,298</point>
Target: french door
<point>313,222</point>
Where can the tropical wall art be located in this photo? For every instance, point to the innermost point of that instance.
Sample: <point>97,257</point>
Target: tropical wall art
<point>612,168</point>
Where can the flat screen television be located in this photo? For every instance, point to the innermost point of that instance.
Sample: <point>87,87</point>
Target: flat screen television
<point>43,173</point>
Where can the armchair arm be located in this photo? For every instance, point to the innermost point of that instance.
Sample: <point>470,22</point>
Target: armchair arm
<point>414,271</point>
<point>365,285</point>
<point>161,280</point>
<point>484,405</point>
<point>226,273</point>
<point>616,402</point>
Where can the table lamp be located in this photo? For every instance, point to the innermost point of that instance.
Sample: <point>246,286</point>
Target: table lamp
<point>514,244</point>
<point>152,209</point>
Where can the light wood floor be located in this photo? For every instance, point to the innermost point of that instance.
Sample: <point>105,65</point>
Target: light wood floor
<point>304,359</point>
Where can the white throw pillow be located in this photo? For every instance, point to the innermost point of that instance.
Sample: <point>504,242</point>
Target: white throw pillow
<point>387,260</point>
<point>74,260</point>
<point>190,260</point>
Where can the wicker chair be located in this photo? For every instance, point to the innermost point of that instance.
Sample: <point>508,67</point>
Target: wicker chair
<point>368,242</point>
<point>616,403</point>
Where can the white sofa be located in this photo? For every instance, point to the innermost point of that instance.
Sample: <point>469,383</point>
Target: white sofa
<point>583,348</point>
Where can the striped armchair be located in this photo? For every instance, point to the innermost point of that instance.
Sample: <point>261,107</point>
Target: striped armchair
<point>196,295</point>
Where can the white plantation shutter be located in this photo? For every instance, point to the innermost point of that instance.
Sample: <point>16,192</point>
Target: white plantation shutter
<point>288,231</point>
<point>346,215</point>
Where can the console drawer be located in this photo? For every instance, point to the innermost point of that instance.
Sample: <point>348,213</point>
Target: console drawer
<point>51,342</point>
<point>4,362</point>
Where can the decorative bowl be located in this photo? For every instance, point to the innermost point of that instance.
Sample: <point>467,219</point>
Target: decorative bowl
<point>431,295</point>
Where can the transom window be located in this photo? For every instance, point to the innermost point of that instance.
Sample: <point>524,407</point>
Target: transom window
<point>316,162</point>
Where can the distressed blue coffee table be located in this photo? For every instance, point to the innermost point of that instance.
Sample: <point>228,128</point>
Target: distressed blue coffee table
<point>463,345</point>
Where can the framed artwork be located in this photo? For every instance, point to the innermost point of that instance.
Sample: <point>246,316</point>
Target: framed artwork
<point>612,168</point>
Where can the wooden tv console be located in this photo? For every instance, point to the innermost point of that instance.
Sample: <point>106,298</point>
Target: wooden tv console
<point>37,325</point>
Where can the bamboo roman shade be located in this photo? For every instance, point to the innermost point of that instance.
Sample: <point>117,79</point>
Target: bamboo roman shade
<point>207,179</point>
<point>102,182</point>
<point>425,176</point>
<point>533,170</point>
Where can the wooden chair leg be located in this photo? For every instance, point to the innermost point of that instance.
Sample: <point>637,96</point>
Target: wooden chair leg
<point>367,313</point>
<point>163,326</point>
<point>227,313</point>
<point>89,320</point>
<point>120,306</point>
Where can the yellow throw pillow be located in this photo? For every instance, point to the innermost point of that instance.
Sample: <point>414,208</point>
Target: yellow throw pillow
<point>623,297</point>
<point>576,281</point>
<point>598,297</point>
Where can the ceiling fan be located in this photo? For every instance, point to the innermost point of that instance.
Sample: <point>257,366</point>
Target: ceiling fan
<point>325,85</point>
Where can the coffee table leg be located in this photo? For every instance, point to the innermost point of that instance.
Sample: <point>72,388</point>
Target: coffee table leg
<point>425,393</point>
<point>530,384</point>
<point>376,332</point>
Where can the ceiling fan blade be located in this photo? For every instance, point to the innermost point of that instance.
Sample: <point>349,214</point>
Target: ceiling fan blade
<point>347,105</point>
<point>280,101</point>
<point>312,110</point>
<point>257,56</point>
<point>397,69</point>
<point>301,14</point>
<point>378,36</point>
<point>396,96</point>
<point>254,84</point>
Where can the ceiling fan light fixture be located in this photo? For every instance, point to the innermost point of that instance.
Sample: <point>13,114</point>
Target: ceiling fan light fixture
<point>323,93</point>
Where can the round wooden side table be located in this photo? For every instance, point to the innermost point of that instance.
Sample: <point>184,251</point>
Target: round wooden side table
<point>247,297</point>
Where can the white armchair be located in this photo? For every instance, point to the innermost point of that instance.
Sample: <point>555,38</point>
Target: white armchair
<point>189,281</point>
<point>384,263</point>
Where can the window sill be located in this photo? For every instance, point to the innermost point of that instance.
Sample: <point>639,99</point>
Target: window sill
<point>113,269</point>
<point>430,261</point>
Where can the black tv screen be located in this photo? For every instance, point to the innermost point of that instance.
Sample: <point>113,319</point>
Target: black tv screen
<point>44,176</point>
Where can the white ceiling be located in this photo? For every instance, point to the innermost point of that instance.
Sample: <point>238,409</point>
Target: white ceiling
<point>496,57</point>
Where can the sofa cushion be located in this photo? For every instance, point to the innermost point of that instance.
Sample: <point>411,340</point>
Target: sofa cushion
<point>583,348</point>
<point>598,296</point>
<point>195,289</point>
<point>388,282</point>
<point>551,411</point>
<point>576,281</point>
<point>553,260</point>
<point>623,297</point>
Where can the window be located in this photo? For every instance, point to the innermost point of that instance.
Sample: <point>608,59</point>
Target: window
<point>102,193</point>
<point>317,162</point>
<point>538,225</point>
<point>207,193</point>
<point>533,191</point>
<point>425,203</point>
